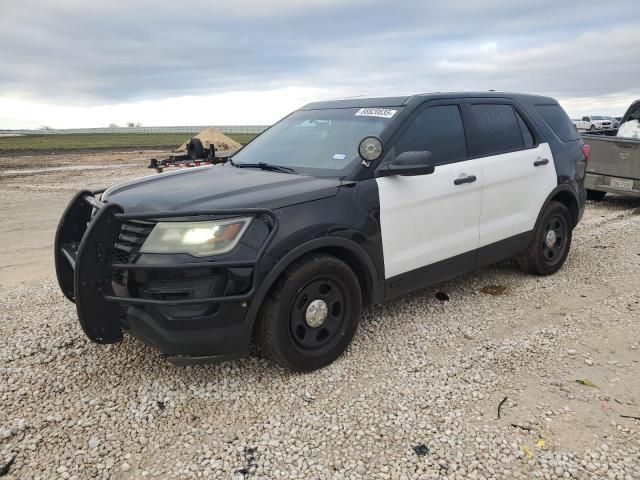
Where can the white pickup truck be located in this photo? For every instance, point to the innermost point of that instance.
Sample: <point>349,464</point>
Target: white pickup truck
<point>614,162</point>
<point>593,122</point>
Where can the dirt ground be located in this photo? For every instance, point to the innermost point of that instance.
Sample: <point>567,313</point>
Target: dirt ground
<point>522,339</point>
<point>9,163</point>
<point>34,190</point>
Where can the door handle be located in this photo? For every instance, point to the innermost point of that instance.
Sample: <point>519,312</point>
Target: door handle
<point>469,179</point>
<point>540,162</point>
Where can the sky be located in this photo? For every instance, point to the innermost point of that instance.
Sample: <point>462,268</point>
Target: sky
<point>79,63</point>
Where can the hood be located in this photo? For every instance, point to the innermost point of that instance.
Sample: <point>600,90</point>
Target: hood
<point>216,187</point>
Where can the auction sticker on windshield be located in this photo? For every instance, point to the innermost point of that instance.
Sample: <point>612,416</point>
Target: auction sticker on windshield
<point>376,112</point>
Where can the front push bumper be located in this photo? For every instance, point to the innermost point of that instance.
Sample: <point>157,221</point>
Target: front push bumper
<point>192,309</point>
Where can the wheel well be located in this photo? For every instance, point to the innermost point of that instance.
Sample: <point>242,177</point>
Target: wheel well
<point>569,200</point>
<point>352,260</point>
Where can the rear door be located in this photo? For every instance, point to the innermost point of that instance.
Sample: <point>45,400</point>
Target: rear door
<point>429,219</point>
<point>519,171</point>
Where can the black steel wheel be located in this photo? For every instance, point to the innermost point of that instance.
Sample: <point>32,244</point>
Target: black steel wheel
<point>554,240</point>
<point>311,313</point>
<point>551,241</point>
<point>318,313</point>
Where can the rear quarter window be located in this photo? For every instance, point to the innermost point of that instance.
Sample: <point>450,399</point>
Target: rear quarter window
<point>558,121</point>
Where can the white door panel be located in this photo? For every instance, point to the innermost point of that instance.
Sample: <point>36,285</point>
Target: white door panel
<point>426,218</point>
<point>514,191</point>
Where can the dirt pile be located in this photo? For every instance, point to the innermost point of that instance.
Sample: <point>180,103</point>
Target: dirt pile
<point>216,137</point>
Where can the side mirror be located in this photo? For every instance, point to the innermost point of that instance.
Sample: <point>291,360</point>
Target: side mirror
<point>408,164</point>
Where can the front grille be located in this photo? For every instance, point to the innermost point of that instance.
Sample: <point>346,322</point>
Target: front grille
<point>132,235</point>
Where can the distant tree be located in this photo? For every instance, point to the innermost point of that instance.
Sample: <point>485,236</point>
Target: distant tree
<point>45,127</point>
<point>131,124</point>
<point>114,125</point>
<point>138,124</point>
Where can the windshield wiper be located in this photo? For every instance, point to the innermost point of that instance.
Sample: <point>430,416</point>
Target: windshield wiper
<point>266,166</point>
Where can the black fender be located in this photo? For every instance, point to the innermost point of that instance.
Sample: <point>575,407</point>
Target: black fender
<point>565,192</point>
<point>374,285</point>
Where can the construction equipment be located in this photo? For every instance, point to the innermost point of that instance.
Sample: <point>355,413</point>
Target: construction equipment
<point>196,156</point>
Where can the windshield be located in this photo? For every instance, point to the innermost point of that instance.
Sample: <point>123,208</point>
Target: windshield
<point>322,143</point>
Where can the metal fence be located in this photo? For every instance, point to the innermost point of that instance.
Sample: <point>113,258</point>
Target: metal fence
<point>255,129</point>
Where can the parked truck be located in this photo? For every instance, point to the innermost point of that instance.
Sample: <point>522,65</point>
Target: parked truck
<point>614,163</point>
<point>593,122</point>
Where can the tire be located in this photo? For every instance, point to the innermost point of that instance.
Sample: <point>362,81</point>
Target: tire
<point>543,257</point>
<point>595,195</point>
<point>287,331</point>
<point>195,149</point>
<point>592,127</point>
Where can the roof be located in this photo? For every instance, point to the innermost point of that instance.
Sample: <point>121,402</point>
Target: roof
<point>366,102</point>
<point>358,103</point>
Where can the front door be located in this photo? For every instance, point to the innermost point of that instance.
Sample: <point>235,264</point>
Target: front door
<point>430,221</point>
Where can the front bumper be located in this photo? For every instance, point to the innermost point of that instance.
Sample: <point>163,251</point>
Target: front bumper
<point>190,309</point>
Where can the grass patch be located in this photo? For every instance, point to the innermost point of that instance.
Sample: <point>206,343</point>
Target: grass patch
<point>242,138</point>
<point>106,141</point>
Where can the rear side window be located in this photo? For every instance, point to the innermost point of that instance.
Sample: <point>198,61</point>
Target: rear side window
<point>439,130</point>
<point>558,121</point>
<point>499,127</point>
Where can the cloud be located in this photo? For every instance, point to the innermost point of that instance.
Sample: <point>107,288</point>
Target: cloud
<point>231,108</point>
<point>97,56</point>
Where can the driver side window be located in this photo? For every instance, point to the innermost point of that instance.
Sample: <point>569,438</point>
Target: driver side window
<point>439,130</point>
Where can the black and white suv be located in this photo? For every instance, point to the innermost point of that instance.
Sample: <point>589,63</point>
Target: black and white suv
<point>339,205</point>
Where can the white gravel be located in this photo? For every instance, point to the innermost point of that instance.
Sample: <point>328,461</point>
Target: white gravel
<point>416,396</point>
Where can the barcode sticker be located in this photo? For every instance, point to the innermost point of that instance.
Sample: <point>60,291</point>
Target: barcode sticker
<point>376,112</point>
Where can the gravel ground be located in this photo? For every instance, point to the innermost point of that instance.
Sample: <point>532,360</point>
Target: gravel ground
<point>415,396</point>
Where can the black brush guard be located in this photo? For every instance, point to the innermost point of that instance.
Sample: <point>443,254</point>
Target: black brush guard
<point>84,247</point>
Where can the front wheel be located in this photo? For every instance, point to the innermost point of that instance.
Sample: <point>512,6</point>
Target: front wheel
<point>311,314</point>
<point>551,241</point>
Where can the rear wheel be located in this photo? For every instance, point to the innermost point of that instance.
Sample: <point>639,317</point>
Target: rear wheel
<point>551,241</point>
<point>311,313</point>
<point>595,195</point>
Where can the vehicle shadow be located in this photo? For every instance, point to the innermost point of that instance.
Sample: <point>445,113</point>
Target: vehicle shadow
<point>613,202</point>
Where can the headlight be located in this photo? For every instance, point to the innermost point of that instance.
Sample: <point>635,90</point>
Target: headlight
<point>199,239</point>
